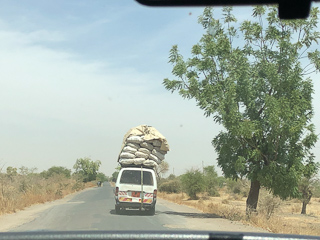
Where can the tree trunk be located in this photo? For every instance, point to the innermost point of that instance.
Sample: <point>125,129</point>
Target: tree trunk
<point>253,197</point>
<point>307,194</point>
<point>304,208</point>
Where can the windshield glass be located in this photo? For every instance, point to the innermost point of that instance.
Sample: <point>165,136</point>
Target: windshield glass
<point>221,103</point>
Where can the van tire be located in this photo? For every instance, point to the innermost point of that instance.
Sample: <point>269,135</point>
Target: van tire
<point>152,211</point>
<point>117,208</point>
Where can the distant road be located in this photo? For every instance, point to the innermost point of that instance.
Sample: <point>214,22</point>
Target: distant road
<point>93,209</point>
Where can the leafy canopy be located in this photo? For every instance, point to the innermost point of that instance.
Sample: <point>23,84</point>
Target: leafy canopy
<point>252,77</point>
<point>193,182</point>
<point>87,169</point>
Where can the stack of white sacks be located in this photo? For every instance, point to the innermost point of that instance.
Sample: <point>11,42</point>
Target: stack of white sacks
<point>138,151</point>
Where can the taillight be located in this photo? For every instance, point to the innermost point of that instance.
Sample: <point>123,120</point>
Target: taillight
<point>117,191</point>
<point>155,193</point>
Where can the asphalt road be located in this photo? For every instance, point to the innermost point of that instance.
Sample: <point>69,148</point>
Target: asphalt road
<point>93,209</point>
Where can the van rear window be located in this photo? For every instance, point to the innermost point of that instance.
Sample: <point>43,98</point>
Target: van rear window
<point>134,177</point>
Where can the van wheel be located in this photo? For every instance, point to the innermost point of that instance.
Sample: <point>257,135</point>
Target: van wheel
<point>152,211</point>
<point>117,208</point>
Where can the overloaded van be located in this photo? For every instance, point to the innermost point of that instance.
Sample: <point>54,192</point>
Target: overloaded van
<point>134,190</point>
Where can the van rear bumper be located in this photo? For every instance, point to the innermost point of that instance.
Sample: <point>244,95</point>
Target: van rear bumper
<point>135,205</point>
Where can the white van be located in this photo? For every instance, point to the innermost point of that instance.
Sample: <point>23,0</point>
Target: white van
<point>130,193</point>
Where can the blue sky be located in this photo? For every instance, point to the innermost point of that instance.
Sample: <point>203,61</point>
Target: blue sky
<point>76,75</point>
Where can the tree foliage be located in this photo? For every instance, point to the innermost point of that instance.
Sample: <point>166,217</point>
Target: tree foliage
<point>171,186</point>
<point>211,180</point>
<point>115,174</point>
<point>87,168</point>
<point>193,183</point>
<point>162,169</point>
<point>55,170</point>
<point>252,78</point>
<point>102,177</point>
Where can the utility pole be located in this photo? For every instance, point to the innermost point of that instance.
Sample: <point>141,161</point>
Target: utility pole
<point>202,168</point>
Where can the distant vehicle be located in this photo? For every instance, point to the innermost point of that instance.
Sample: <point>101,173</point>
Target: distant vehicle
<point>99,184</point>
<point>132,193</point>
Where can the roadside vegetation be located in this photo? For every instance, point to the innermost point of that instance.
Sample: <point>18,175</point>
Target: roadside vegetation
<point>23,187</point>
<point>253,77</point>
<point>227,198</point>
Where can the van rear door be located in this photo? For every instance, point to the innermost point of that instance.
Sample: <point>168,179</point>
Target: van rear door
<point>129,186</point>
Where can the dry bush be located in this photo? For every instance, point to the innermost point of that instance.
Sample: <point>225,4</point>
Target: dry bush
<point>226,211</point>
<point>173,197</point>
<point>295,208</point>
<point>225,201</point>
<point>171,186</point>
<point>234,196</point>
<point>273,214</point>
<point>268,204</point>
<point>20,191</point>
<point>239,187</point>
<point>295,200</point>
<point>278,224</point>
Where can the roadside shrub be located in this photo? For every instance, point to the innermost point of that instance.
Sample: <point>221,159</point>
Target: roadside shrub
<point>79,185</point>
<point>268,204</point>
<point>19,190</point>
<point>171,186</point>
<point>56,170</point>
<point>239,186</point>
<point>193,183</point>
<point>225,201</point>
<point>222,181</point>
<point>316,188</point>
<point>211,181</point>
<point>234,196</point>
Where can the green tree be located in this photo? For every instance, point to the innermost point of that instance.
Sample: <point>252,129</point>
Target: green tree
<point>27,171</point>
<point>56,171</point>
<point>102,177</point>
<point>211,180</point>
<point>11,172</point>
<point>221,181</point>
<point>193,183</point>
<point>316,187</point>
<point>87,168</point>
<point>306,186</point>
<point>171,177</point>
<point>115,174</point>
<point>162,169</point>
<point>170,186</point>
<point>251,77</point>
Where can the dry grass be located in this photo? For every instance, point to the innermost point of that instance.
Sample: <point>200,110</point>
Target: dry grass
<point>273,214</point>
<point>21,191</point>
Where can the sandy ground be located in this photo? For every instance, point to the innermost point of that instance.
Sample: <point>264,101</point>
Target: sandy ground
<point>197,220</point>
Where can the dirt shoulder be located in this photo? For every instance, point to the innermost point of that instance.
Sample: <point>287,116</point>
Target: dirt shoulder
<point>285,217</point>
<point>197,220</point>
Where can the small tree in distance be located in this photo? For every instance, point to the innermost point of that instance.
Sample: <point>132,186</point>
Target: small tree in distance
<point>87,169</point>
<point>56,171</point>
<point>211,180</point>
<point>162,169</point>
<point>193,183</point>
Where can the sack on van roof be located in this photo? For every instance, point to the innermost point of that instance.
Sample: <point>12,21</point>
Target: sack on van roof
<point>145,139</point>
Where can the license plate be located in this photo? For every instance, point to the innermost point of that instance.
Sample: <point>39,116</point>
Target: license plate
<point>135,194</point>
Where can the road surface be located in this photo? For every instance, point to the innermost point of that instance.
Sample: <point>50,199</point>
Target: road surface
<point>93,209</point>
